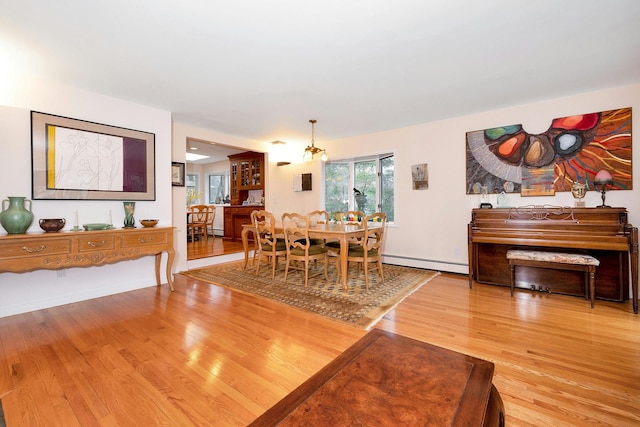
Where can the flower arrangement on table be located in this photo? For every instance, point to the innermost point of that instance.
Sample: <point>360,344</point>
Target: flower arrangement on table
<point>192,196</point>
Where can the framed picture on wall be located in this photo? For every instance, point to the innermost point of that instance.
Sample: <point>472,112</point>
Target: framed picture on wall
<point>420,176</point>
<point>75,160</point>
<point>177,174</point>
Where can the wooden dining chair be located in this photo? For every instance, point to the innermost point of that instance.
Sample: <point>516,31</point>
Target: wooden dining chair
<point>269,245</point>
<point>210,218</point>
<point>369,249</point>
<point>357,216</point>
<point>197,225</point>
<point>318,217</point>
<point>300,251</point>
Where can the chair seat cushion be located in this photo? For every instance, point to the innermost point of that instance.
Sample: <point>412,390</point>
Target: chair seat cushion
<point>280,246</point>
<point>336,245</point>
<point>312,241</point>
<point>358,251</point>
<point>313,250</point>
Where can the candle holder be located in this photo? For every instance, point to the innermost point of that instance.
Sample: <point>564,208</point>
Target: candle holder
<point>603,179</point>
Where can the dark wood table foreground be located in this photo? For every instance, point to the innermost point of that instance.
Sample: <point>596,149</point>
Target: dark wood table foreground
<point>389,380</point>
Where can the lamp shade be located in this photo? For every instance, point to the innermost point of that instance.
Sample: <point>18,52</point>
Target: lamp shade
<point>603,177</point>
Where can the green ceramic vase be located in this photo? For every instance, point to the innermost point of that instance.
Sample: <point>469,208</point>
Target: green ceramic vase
<point>129,208</point>
<point>15,217</point>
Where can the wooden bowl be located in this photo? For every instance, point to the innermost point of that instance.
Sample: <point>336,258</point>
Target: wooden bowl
<point>148,222</point>
<point>51,225</point>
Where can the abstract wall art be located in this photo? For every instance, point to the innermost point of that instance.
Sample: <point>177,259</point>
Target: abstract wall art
<point>573,149</point>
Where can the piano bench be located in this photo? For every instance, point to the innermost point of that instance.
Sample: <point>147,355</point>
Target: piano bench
<point>557,261</point>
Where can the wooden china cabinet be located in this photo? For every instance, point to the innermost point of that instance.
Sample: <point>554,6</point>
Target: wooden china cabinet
<point>246,173</point>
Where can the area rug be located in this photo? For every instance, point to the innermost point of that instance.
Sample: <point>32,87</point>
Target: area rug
<point>358,307</point>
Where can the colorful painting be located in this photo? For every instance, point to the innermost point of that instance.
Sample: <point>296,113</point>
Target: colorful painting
<point>573,149</point>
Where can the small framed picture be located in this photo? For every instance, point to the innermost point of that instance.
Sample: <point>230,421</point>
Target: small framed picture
<point>420,176</point>
<point>177,174</point>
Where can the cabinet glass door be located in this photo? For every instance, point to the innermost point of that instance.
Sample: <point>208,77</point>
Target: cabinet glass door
<point>245,174</point>
<point>256,172</point>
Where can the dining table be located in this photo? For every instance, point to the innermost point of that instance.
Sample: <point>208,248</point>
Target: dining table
<point>343,232</point>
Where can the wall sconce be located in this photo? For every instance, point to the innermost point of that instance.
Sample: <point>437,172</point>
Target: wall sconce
<point>312,150</point>
<point>603,179</point>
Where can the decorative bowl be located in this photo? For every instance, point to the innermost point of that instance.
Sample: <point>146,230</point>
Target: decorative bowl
<point>148,222</point>
<point>97,226</point>
<point>51,225</point>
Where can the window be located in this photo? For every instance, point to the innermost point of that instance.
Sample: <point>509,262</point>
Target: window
<point>372,177</point>
<point>218,188</point>
<point>192,185</point>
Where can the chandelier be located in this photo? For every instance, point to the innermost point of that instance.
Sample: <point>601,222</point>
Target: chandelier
<point>312,150</point>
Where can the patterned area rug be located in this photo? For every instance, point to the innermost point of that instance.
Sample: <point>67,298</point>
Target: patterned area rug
<point>359,307</point>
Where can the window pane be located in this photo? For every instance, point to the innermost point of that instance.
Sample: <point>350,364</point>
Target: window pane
<point>372,177</point>
<point>217,188</point>
<point>336,187</point>
<point>386,187</point>
<point>365,183</point>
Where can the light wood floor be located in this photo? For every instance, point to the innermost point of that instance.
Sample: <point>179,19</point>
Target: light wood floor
<point>206,356</point>
<point>204,248</point>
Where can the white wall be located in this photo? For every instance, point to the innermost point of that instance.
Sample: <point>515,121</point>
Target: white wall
<point>430,227</point>
<point>30,291</point>
<point>431,224</point>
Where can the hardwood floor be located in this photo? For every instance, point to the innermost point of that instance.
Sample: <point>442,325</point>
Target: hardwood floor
<point>204,248</point>
<point>204,355</point>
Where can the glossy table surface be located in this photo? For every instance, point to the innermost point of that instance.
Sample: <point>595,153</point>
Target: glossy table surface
<point>386,379</point>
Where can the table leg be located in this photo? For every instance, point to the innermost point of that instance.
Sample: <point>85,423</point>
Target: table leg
<point>634,269</point>
<point>344,256</point>
<point>158,260</point>
<point>171,254</point>
<point>245,245</point>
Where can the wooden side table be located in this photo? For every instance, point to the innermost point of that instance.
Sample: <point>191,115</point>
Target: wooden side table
<point>390,380</point>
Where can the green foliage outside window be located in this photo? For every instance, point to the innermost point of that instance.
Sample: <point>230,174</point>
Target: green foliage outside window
<point>361,184</point>
<point>336,186</point>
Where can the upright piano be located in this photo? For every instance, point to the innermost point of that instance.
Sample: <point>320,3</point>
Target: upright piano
<point>601,232</point>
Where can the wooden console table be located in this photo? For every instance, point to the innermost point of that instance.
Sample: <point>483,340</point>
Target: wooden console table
<point>54,251</point>
<point>390,380</point>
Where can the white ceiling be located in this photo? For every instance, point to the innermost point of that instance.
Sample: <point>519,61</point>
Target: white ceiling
<point>215,152</point>
<point>261,69</point>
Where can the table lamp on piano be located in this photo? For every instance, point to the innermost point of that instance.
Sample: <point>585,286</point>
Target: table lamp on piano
<point>602,180</point>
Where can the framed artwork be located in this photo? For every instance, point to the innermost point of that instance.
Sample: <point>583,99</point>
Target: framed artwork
<point>75,159</point>
<point>420,177</point>
<point>177,174</point>
<point>572,150</point>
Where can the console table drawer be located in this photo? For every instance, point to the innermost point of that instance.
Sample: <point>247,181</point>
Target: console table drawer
<point>20,253</point>
<point>95,243</point>
<point>145,239</point>
<point>27,248</point>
